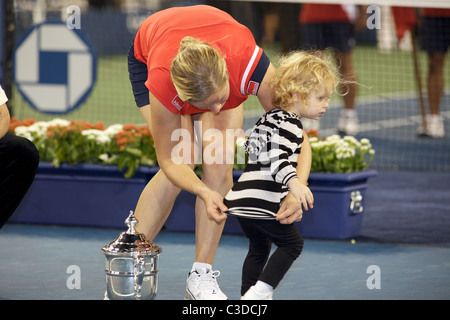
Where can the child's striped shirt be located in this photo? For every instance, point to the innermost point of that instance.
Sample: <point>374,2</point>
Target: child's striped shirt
<point>273,147</point>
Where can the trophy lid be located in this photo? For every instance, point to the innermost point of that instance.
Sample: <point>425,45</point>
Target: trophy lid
<point>131,241</point>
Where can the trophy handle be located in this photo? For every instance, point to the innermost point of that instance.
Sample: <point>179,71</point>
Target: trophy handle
<point>138,263</point>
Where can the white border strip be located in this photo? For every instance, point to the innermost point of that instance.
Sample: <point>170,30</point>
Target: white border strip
<point>247,70</point>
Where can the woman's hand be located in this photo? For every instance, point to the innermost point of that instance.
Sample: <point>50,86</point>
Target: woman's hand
<point>291,207</point>
<point>214,206</point>
<point>290,210</point>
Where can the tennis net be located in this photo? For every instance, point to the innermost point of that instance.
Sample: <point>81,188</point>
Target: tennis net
<point>387,57</point>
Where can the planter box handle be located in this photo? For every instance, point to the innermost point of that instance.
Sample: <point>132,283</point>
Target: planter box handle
<point>356,202</point>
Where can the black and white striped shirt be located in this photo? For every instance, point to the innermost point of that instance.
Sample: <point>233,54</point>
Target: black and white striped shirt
<point>273,147</point>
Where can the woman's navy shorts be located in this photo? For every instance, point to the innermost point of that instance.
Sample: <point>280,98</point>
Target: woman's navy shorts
<point>138,76</point>
<point>320,36</point>
<point>435,34</point>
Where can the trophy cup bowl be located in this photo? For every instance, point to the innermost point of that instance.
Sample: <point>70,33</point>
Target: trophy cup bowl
<point>131,265</point>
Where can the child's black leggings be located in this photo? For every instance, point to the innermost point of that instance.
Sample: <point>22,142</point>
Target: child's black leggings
<point>261,234</point>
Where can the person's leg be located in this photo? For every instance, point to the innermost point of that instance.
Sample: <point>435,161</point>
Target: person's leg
<point>348,119</point>
<point>348,74</point>
<point>435,87</point>
<point>435,83</point>
<point>217,166</point>
<point>155,204</point>
<point>340,37</point>
<point>157,198</point>
<point>289,244</point>
<point>258,253</point>
<point>218,147</point>
<point>434,39</point>
<point>19,160</point>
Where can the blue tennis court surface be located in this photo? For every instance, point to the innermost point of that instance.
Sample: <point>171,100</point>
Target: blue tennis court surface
<point>405,232</point>
<point>35,260</point>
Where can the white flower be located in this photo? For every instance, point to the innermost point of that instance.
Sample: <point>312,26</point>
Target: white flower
<point>103,139</point>
<point>91,133</point>
<point>24,132</point>
<point>98,135</point>
<point>104,157</point>
<point>350,139</point>
<point>57,122</point>
<point>345,152</point>
<point>365,148</point>
<point>113,129</point>
<point>36,131</point>
<point>317,144</point>
<point>334,137</point>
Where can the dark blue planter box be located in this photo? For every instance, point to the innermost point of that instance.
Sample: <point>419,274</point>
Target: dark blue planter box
<point>96,196</point>
<point>99,196</point>
<point>334,216</point>
<point>82,195</point>
<point>338,205</point>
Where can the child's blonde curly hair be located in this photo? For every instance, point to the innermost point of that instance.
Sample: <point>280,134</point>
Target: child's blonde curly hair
<point>301,72</point>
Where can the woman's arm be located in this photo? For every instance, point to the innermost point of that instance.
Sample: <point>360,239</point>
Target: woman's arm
<point>265,90</point>
<point>163,124</point>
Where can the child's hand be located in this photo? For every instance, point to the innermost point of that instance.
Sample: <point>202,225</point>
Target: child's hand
<point>302,193</point>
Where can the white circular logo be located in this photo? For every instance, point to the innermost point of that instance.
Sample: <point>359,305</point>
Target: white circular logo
<point>54,67</point>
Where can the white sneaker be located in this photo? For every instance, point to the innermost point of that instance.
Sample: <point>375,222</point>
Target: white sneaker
<point>435,127</point>
<point>201,284</point>
<point>348,122</point>
<point>252,294</point>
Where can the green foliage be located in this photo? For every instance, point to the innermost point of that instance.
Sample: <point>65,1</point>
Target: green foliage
<point>340,155</point>
<point>61,141</point>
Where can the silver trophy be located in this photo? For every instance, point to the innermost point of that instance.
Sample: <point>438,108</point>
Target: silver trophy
<point>131,265</point>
